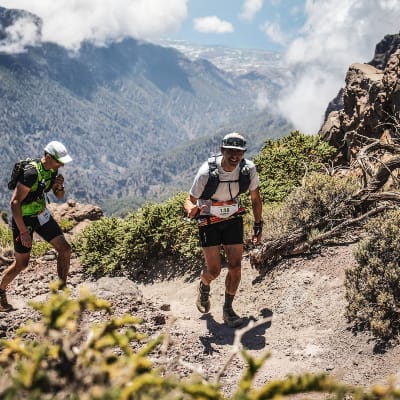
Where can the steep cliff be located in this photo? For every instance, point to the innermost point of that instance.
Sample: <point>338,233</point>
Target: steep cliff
<point>371,104</point>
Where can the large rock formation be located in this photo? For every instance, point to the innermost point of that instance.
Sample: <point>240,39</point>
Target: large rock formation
<point>383,50</point>
<point>371,104</point>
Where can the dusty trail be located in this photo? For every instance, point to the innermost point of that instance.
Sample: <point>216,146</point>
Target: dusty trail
<point>308,331</point>
<point>304,296</point>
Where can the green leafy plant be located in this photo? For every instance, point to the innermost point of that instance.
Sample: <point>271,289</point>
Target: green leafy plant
<point>5,236</point>
<point>282,163</point>
<point>157,239</point>
<point>40,248</point>
<point>97,245</point>
<point>373,285</point>
<point>66,224</point>
<point>320,199</point>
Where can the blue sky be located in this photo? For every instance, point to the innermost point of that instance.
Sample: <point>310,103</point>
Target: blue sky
<point>237,23</point>
<point>318,39</point>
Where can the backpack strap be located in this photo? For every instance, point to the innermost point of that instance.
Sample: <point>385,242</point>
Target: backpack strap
<point>244,176</point>
<point>213,179</point>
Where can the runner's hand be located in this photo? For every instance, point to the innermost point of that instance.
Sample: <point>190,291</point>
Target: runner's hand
<point>26,239</point>
<point>59,182</point>
<point>194,211</point>
<point>257,232</point>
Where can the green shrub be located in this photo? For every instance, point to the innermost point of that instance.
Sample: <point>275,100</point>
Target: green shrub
<point>156,240</point>
<point>97,245</point>
<point>373,285</point>
<point>6,239</point>
<point>321,199</point>
<point>66,225</point>
<point>40,248</point>
<point>282,163</point>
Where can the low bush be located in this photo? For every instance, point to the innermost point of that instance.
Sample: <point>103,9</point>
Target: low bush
<point>282,163</point>
<point>373,285</point>
<point>6,239</point>
<point>155,241</point>
<point>66,225</point>
<point>321,198</point>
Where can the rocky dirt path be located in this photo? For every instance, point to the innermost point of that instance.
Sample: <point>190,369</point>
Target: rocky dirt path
<point>303,297</point>
<point>308,331</point>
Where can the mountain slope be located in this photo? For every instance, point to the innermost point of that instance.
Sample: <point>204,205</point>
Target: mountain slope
<point>121,110</point>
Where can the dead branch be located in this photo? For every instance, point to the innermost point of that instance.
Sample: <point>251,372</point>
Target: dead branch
<point>272,251</point>
<point>354,211</point>
<point>384,172</point>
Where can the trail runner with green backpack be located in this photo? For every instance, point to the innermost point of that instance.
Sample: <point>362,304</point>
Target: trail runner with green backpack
<point>213,201</point>
<point>30,181</point>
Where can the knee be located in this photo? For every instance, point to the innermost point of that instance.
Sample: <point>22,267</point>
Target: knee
<point>235,264</point>
<point>235,270</point>
<point>213,274</point>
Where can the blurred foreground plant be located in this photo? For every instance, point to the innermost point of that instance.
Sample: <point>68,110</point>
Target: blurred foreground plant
<point>60,357</point>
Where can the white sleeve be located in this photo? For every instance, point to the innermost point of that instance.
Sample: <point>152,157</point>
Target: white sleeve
<point>200,181</point>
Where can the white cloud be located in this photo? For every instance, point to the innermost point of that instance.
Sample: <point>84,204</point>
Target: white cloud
<point>251,8</point>
<point>212,24</point>
<point>273,32</point>
<point>24,32</point>
<point>70,22</point>
<point>336,34</point>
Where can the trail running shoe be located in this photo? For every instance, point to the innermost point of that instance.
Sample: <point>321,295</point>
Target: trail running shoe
<point>231,318</point>
<point>4,304</point>
<point>203,298</point>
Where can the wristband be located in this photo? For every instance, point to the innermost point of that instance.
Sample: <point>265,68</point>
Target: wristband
<point>257,228</point>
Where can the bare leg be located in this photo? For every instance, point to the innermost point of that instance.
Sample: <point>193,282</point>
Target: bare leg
<point>64,256</point>
<point>213,264</point>
<point>19,264</point>
<point>234,253</point>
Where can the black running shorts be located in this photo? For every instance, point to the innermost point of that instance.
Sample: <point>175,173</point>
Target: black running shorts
<point>48,231</point>
<point>225,232</point>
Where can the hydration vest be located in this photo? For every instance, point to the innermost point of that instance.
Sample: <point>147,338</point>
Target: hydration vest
<point>43,183</point>
<point>213,178</point>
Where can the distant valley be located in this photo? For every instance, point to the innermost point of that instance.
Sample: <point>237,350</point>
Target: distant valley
<point>138,118</point>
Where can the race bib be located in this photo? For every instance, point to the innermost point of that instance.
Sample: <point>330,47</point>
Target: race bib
<point>223,209</point>
<point>44,216</point>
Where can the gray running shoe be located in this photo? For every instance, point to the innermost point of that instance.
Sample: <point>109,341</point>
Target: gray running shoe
<point>4,304</point>
<point>203,298</point>
<point>231,318</point>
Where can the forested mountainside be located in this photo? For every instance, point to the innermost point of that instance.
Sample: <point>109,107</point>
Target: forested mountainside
<point>135,116</point>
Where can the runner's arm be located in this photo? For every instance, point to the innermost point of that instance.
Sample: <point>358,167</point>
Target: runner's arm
<point>191,206</point>
<point>18,196</point>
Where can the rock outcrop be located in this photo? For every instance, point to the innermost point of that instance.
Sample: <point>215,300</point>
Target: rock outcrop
<point>383,50</point>
<point>371,104</point>
<point>79,215</point>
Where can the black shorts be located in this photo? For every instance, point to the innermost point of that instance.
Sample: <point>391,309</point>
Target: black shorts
<point>48,231</point>
<point>225,232</point>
